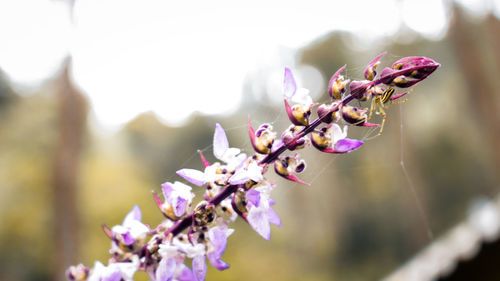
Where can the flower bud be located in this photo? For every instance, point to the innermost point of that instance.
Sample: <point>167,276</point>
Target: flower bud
<point>287,165</point>
<point>204,213</point>
<point>358,88</point>
<point>299,113</point>
<point>328,112</point>
<point>337,84</point>
<point>262,140</point>
<point>354,115</point>
<point>321,139</point>
<point>77,273</point>
<point>288,138</point>
<point>370,70</point>
<point>413,69</point>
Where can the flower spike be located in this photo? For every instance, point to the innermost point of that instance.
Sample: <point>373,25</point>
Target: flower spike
<point>236,185</point>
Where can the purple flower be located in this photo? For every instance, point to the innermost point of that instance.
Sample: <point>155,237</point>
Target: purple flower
<point>114,271</point>
<point>77,273</point>
<point>131,229</point>
<point>287,166</point>
<point>213,173</point>
<point>250,171</point>
<point>178,197</point>
<point>229,155</point>
<point>331,139</point>
<point>300,112</point>
<point>260,214</point>
<point>217,241</point>
<point>171,266</point>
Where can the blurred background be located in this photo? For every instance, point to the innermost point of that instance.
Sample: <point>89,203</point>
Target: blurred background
<point>101,101</point>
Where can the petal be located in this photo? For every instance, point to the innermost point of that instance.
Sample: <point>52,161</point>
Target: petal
<point>302,96</point>
<point>253,196</point>
<point>218,238</point>
<point>180,206</point>
<point>255,172</point>
<point>221,144</point>
<point>199,267</point>
<point>252,172</point>
<point>97,272</point>
<point>217,262</point>
<point>273,217</point>
<point>337,133</point>
<point>167,189</point>
<point>185,274</point>
<point>138,229</point>
<point>165,270</point>
<point>289,85</point>
<point>193,176</point>
<point>346,145</point>
<point>258,220</point>
<point>134,214</point>
<point>239,177</point>
<point>128,239</point>
<point>128,269</point>
<point>112,276</point>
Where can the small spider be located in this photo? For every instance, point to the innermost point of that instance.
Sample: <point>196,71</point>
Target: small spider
<point>380,100</point>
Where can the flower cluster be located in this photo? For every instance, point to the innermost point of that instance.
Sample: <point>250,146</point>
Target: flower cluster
<point>235,186</point>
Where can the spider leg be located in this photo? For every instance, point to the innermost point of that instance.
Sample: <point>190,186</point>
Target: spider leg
<point>399,101</point>
<point>380,106</point>
<point>372,107</point>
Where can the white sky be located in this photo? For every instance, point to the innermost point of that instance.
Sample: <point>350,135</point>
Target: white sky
<point>178,57</point>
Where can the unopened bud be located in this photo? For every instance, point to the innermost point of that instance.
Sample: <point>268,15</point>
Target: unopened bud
<point>337,85</point>
<point>354,115</point>
<point>328,112</point>
<point>370,70</point>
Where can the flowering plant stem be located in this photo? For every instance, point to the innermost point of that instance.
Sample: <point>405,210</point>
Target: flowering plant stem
<point>236,185</point>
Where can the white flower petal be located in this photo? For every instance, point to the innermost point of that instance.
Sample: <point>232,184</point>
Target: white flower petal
<point>302,96</point>
<point>221,144</point>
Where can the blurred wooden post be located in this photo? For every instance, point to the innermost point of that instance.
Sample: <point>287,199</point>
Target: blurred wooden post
<point>481,88</point>
<point>72,112</point>
<point>493,25</point>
